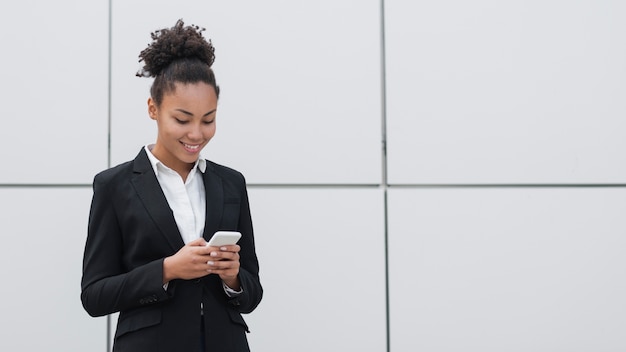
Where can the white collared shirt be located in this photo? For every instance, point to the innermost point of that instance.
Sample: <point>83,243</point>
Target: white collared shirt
<point>186,199</point>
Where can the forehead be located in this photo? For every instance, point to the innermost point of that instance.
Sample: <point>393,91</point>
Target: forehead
<point>188,90</point>
<point>191,94</point>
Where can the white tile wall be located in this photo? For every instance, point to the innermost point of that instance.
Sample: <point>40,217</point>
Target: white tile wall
<point>322,256</point>
<point>53,89</point>
<point>43,235</point>
<point>504,269</point>
<point>506,92</point>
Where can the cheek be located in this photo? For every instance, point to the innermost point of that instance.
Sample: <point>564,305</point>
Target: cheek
<point>209,131</point>
<point>172,129</point>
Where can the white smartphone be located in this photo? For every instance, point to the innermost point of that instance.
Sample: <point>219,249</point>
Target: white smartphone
<point>223,238</point>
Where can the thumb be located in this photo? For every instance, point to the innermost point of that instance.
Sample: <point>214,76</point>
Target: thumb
<point>197,242</point>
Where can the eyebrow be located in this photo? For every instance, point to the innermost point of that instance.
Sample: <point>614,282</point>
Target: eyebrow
<point>190,114</point>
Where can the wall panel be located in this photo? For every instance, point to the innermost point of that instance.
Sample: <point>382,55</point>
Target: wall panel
<point>505,92</point>
<point>321,253</point>
<point>43,236</point>
<point>53,83</point>
<point>507,269</point>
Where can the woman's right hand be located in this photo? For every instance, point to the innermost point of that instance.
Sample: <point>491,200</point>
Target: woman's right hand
<point>190,262</point>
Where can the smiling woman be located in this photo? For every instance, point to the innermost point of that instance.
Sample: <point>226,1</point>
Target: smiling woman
<point>186,123</point>
<point>146,254</point>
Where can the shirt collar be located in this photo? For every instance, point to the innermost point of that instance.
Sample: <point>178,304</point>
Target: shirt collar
<point>200,163</point>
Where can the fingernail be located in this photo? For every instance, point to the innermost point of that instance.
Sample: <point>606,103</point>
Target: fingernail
<point>210,262</point>
<point>213,254</point>
<point>222,248</point>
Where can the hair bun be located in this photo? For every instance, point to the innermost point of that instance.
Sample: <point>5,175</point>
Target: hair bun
<point>170,44</point>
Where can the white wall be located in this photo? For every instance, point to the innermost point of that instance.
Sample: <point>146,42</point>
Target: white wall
<point>511,269</point>
<point>497,205</point>
<point>505,91</point>
<point>42,243</point>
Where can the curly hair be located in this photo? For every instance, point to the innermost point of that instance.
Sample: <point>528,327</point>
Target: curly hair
<point>177,55</point>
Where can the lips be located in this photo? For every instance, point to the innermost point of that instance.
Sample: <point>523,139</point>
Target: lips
<point>192,148</point>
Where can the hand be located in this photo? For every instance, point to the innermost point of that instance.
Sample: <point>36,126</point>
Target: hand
<point>190,262</point>
<point>224,261</point>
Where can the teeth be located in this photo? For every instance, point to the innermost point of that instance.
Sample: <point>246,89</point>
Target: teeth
<point>191,146</point>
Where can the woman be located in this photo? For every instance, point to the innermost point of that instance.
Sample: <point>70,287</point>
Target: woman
<point>146,254</point>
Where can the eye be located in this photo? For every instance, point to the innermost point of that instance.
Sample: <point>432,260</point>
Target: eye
<point>208,122</point>
<point>182,122</point>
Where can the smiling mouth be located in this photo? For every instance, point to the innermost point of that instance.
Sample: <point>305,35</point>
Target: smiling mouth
<point>191,147</point>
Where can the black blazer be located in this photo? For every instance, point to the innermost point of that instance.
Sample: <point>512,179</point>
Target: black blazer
<point>131,230</point>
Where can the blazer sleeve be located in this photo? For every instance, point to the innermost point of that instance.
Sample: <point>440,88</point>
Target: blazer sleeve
<point>249,269</point>
<point>107,286</point>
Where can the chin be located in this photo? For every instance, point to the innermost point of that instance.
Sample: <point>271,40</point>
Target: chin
<point>189,160</point>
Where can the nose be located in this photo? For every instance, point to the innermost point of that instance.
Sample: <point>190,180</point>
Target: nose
<point>195,132</point>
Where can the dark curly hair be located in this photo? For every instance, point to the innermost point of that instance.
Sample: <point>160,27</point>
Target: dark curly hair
<point>177,55</point>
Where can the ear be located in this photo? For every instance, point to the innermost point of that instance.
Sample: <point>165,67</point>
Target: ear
<point>152,109</point>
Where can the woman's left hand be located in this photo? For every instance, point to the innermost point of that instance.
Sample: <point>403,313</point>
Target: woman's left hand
<point>225,263</point>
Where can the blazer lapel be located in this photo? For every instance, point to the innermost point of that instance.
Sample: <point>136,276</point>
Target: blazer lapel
<point>147,186</point>
<point>214,201</point>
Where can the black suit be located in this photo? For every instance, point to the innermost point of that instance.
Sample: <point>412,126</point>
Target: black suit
<point>131,230</point>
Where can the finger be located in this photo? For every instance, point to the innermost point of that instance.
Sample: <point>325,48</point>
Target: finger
<point>197,242</point>
<point>234,248</point>
<point>228,256</point>
<point>212,249</point>
<point>214,265</point>
<point>227,252</point>
<point>199,253</point>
